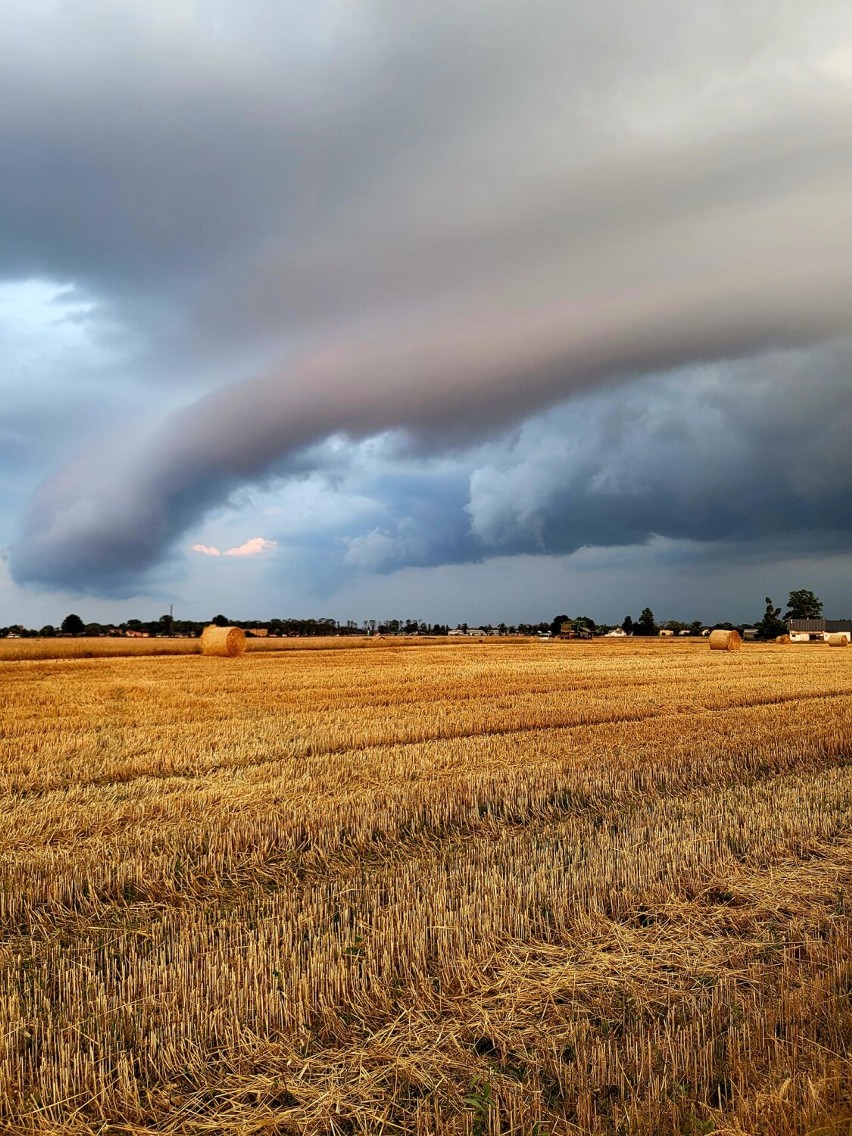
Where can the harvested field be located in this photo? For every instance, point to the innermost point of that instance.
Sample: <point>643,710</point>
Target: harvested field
<point>474,888</point>
<point>20,650</point>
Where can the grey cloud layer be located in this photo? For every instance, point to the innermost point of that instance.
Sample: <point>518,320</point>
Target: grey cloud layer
<point>754,455</point>
<point>461,214</point>
<point>732,463</point>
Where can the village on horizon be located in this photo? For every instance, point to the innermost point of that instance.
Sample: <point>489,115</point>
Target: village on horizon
<point>803,622</point>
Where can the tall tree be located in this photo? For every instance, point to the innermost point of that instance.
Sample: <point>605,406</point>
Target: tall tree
<point>803,604</point>
<point>73,625</point>
<point>771,625</point>
<point>646,625</point>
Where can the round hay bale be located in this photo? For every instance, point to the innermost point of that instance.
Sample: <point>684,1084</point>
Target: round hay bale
<point>725,640</point>
<point>783,640</point>
<point>227,642</point>
<point>837,640</point>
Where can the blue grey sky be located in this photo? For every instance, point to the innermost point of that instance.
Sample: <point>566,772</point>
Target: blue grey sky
<point>453,311</point>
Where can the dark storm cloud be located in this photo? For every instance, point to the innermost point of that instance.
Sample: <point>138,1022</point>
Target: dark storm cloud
<point>735,463</point>
<point>462,213</point>
<point>748,456</point>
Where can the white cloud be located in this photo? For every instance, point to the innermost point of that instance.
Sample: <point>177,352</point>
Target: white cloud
<point>371,551</point>
<point>382,548</point>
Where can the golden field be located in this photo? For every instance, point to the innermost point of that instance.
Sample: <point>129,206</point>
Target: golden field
<point>22,650</point>
<point>468,888</point>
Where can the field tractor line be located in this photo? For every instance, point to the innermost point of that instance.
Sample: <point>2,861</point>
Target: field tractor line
<point>189,775</point>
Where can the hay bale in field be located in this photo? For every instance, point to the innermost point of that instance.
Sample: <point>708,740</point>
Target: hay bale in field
<point>837,639</point>
<point>227,642</point>
<point>724,640</point>
<point>783,640</point>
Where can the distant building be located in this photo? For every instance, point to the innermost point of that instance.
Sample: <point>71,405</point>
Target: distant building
<point>666,633</point>
<point>616,633</point>
<point>817,630</point>
<point>258,632</point>
<point>569,631</point>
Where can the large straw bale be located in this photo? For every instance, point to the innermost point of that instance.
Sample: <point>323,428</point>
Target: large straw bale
<point>725,640</point>
<point>783,639</point>
<point>837,640</point>
<point>227,642</point>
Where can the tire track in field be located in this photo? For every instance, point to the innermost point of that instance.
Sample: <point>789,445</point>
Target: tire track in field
<point>308,751</point>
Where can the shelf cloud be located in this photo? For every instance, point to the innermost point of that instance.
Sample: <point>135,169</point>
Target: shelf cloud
<point>440,220</point>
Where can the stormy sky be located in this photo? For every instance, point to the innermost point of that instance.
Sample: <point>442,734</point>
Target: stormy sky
<point>466,310</point>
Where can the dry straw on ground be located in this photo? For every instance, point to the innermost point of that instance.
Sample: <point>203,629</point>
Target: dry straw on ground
<point>225,641</point>
<point>18,650</point>
<point>725,640</point>
<point>837,640</point>
<point>475,890</point>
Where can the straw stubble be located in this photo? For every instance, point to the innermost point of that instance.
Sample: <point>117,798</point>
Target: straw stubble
<point>432,891</point>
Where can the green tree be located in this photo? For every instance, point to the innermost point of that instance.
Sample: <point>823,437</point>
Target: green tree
<point>73,625</point>
<point>220,621</point>
<point>628,625</point>
<point>556,623</point>
<point>771,625</point>
<point>646,625</point>
<point>803,604</point>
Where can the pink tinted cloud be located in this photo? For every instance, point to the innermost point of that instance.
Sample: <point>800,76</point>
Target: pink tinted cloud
<point>252,547</point>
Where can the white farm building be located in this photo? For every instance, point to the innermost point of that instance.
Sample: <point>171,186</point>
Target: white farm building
<point>818,630</point>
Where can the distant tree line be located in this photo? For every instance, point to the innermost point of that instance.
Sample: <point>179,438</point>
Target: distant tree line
<point>801,604</point>
<point>166,625</point>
